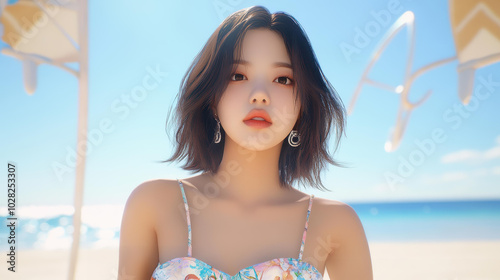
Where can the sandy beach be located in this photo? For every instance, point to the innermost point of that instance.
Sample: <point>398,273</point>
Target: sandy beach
<point>436,260</point>
<point>420,260</point>
<point>98,264</point>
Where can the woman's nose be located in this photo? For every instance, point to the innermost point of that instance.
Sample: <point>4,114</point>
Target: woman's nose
<point>260,95</point>
<point>260,99</point>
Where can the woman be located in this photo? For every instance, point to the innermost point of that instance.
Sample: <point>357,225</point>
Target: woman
<point>254,114</point>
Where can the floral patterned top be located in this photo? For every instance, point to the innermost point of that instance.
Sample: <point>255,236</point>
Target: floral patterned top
<point>190,268</point>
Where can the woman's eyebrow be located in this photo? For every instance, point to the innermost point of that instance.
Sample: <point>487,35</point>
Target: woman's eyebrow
<point>275,64</point>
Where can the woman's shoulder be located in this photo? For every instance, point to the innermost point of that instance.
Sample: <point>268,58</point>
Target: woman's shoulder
<point>335,214</point>
<point>149,194</point>
<point>153,188</point>
<point>155,201</point>
<point>330,205</point>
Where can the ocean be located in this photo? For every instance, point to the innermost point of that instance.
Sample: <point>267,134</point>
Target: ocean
<point>50,227</point>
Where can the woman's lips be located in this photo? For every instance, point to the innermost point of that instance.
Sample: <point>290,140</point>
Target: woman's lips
<point>257,123</point>
<point>258,113</point>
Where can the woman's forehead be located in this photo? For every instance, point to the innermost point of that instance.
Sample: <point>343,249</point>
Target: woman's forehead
<point>263,44</point>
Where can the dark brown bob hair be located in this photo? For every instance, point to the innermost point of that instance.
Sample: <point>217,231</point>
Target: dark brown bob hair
<point>208,76</point>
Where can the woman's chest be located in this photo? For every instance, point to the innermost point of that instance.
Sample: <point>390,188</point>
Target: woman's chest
<point>230,239</point>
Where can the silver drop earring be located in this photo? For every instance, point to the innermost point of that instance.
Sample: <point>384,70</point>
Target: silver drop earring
<point>294,134</point>
<point>218,135</point>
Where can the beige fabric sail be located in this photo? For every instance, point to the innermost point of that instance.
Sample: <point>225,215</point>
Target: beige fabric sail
<point>476,32</point>
<point>42,28</point>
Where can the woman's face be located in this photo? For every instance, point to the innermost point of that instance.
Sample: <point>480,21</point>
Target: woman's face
<point>263,80</point>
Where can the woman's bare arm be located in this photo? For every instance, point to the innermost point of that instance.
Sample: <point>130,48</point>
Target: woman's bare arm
<point>351,260</point>
<point>138,255</point>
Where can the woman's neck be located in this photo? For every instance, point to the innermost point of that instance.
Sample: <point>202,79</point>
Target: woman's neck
<point>247,177</point>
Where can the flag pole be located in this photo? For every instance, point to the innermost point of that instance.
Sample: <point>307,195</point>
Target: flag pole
<point>81,132</point>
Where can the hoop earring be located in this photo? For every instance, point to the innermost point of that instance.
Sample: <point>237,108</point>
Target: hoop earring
<point>217,136</point>
<point>294,134</point>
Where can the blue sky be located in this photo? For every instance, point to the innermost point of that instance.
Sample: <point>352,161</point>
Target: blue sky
<point>127,41</point>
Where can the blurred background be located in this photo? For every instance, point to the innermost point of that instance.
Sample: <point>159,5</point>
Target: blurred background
<point>426,187</point>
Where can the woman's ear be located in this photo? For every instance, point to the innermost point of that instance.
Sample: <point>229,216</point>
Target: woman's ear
<point>214,111</point>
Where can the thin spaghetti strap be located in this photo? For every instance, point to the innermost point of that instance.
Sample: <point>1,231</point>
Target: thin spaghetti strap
<point>305,229</point>
<point>190,248</point>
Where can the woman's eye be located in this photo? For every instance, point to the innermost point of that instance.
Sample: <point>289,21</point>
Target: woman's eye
<point>283,80</point>
<point>238,76</point>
